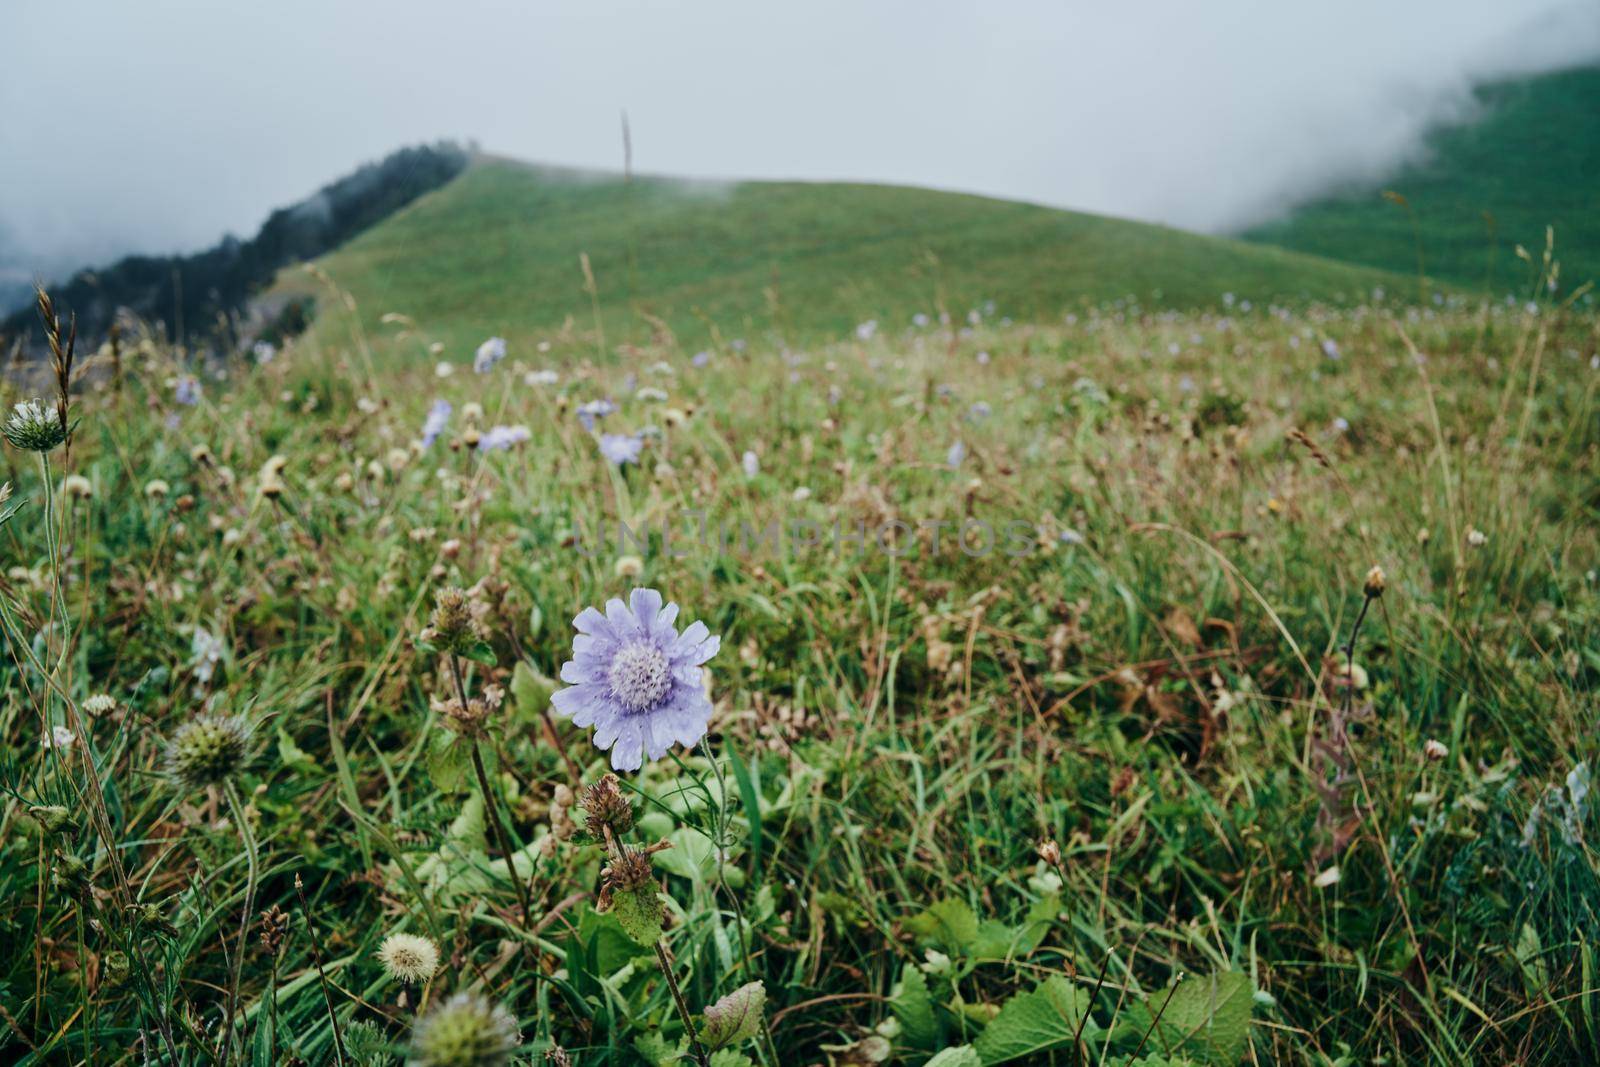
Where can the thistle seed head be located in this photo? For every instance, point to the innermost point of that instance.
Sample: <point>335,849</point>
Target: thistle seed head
<point>207,750</point>
<point>464,1031</point>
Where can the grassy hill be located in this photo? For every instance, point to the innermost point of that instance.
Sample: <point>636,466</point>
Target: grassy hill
<point>1530,160</point>
<point>497,251</point>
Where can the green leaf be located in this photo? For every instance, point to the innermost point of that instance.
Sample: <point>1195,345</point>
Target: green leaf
<point>913,1007</point>
<point>1033,1022</point>
<point>950,923</point>
<point>640,913</point>
<point>447,761</point>
<point>530,692</point>
<point>735,1017</point>
<point>961,1056</point>
<point>727,1057</point>
<point>1207,1017</point>
<point>480,652</point>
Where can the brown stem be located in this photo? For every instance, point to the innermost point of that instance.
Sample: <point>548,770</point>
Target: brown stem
<point>683,1007</point>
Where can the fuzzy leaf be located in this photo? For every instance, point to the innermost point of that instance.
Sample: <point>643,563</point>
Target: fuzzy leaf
<point>1034,1022</point>
<point>735,1017</point>
<point>640,913</point>
<point>950,923</point>
<point>912,1005</point>
<point>1209,1015</point>
<point>961,1056</point>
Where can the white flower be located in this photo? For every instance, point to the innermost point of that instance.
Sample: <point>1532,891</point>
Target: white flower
<point>444,369</point>
<point>1327,878</point>
<point>1477,538</point>
<point>58,737</point>
<point>751,464</point>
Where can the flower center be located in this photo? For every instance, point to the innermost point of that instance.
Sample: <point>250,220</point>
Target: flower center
<point>639,677</point>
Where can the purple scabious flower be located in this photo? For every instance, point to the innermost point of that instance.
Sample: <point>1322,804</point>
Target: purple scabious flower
<point>594,411</point>
<point>621,448</point>
<point>636,680</point>
<point>501,438</point>
<point>187,391</point>
<point>488,354</point>
<point>438,419</point>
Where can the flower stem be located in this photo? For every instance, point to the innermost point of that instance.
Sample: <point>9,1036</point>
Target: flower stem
<point>248,837</point>
<point>491,809</point>
<point>683,1007</point>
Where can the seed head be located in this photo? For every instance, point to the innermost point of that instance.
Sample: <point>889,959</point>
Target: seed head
<point>455,625</point>
<point>464,1031</point>
<point>1375,583</point>
<point>207,750</point>
<point>35,427</point>
<point>630,870</point>
<point>408,958</point>
<point>606,807</point>
<point>274,928</point>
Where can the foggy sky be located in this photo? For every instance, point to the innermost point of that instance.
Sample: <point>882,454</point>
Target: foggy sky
<point>159,126</point>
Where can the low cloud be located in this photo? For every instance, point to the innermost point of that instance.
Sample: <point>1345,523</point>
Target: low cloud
<point>128,129</point>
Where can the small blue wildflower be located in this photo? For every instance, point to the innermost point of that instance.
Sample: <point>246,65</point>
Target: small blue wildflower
<point>501,438</point>
<point>187,391</point>
<point>636,680</point>
<point>957,453</point>
<point>594,411</point>
<point>489,353</point>
<point>438,418</point>
<point>620,448</point>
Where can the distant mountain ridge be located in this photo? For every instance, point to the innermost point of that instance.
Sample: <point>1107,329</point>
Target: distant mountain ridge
<point>200,296</point>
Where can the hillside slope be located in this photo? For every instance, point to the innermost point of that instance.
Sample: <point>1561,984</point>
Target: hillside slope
<point>1531,159</point>
<point>497,251</point>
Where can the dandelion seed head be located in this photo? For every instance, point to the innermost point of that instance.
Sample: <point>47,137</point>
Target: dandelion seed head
<point>408,958</point>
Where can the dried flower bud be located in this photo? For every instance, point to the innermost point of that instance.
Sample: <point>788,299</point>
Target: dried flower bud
<point>1050,852</point>
<point>1434,750</point>
<point>606,807</point>
<point>1375,583</point>
<point>274,927</point>
<point>630,870</point>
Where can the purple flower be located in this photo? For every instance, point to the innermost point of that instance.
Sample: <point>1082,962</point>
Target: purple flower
<point>621,448</point>
<point>489,353</point>
<point>636,680</point>
<point>438,419</point>
<point>187,391</point>
<point>701,359</point>
<point>500,438</point>
<point>594,411</point>
<point>957,453</point>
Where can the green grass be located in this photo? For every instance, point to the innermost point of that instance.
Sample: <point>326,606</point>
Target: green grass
<point>1160,694</point>
<point>497,251</point>
<point>1527,161</point>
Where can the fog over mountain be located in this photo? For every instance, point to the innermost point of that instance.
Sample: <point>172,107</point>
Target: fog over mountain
<point>128,130</point>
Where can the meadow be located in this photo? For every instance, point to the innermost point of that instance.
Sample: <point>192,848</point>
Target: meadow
<point>1144,687</point>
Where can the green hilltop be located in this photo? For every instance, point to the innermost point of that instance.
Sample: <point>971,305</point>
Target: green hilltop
<point>1529,159</point>
<point>497,250</point>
